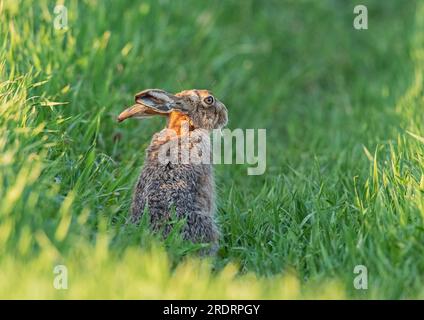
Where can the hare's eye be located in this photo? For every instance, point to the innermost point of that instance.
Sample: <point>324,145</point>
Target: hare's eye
<point>209,100</point>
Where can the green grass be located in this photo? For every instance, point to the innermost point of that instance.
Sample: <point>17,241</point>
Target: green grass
<point>343,110</point>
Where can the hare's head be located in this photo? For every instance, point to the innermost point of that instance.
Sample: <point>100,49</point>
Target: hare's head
<point>199,107</point>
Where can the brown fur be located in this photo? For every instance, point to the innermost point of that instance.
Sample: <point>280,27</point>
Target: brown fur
<point>186,188</point>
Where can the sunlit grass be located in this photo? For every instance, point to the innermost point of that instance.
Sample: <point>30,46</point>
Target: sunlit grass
<point>344,184</point>
<point>147,275</point>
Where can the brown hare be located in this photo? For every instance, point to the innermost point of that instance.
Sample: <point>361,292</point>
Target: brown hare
<point>180,186</point>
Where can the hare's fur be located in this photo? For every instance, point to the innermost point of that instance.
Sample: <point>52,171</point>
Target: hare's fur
<point>186,189</point>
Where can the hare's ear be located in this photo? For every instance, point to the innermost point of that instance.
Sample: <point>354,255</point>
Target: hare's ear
<point>157,99</point>
<point>138,111</point>
<point>152,102</point>
<point>162,101</point>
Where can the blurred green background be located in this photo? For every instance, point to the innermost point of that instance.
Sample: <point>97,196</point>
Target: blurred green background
<point>343,109</point>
